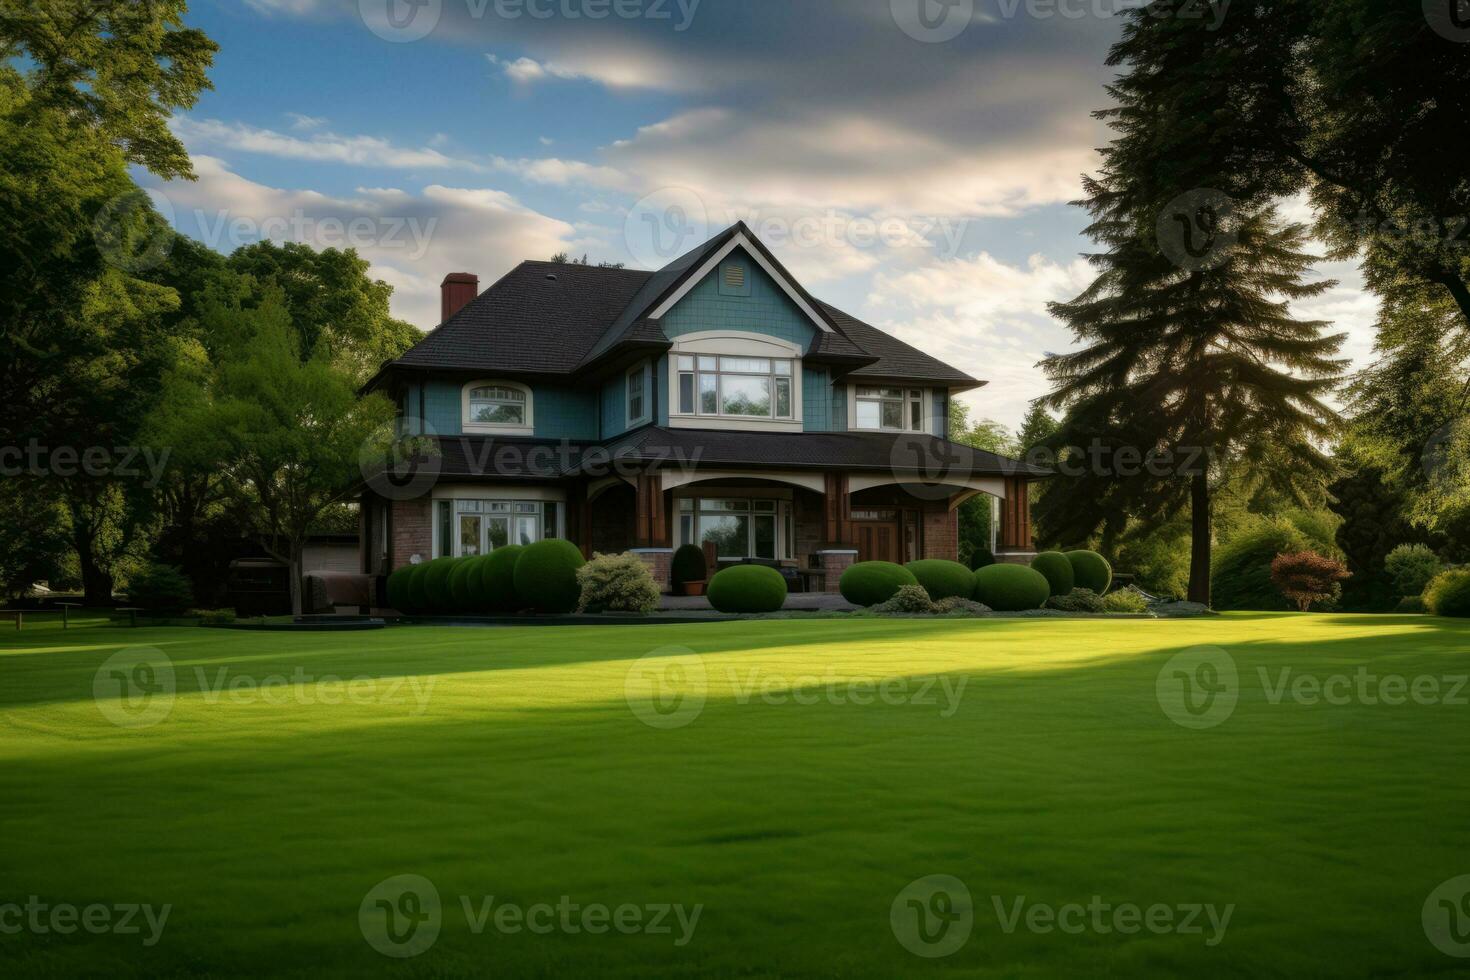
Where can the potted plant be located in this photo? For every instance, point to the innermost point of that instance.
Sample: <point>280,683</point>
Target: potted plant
<point>687,571</point>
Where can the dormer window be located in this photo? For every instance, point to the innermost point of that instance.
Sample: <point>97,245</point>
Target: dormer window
<point>891,409</point>
<point>735,387</point>
<point>497,406</point>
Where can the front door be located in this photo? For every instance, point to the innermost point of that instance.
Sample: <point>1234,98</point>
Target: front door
<point>877,540</point>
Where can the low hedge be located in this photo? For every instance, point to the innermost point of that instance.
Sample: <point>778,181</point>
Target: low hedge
<point>1090,570</point>
<point>1057,570</point>
<point>398,594</point>
<point>747,589</point>
<point>870,582</point>
<point>546,576</point>
<point>461,583</point>
<point>493,587</point>
<point>1448,594</point>
<point>943,579</point>
<point>436,585</point>
<point>418,594</point>
<point>1011,588</point>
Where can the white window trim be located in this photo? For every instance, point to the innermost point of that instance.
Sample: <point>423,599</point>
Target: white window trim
<point>740,241</point>
<point>641,370</point>
<point>453,493</point>
<point>526,429</point>
<point>926,408</point>
<point>785,508</point>
<point>731,343</point>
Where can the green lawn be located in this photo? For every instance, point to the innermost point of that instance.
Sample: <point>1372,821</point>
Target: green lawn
<point>264,818</point>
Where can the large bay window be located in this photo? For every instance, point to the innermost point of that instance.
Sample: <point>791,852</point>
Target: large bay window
<point>895,409</point>
<point>735,387</point>
<point>465,528</point>
<point>738,527</point>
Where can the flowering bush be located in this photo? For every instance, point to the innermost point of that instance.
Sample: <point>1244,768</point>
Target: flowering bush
<point>1076,601</point>
<point>960,606</point>
<point>908,599</point>
<point>617,583</point>
<point>1128,600</point>
<point>1306,577</point>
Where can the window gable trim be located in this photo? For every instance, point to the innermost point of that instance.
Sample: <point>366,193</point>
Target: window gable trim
<point>739,240</point>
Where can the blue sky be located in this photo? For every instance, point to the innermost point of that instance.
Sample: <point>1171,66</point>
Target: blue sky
<point>912,169</point>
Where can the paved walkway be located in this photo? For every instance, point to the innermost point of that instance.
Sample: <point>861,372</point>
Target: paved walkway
<point>801,601</point>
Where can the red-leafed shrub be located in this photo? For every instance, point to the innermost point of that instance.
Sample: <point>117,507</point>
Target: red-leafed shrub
<point>1306,577</point>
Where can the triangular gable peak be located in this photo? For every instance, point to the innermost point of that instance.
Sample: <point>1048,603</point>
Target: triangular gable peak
<point>741,237</point>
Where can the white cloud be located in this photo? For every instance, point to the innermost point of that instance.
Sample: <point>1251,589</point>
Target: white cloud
<point>563,173</point>
<point>298,121</point>
<point>411,239</point>
<point>366,151</point>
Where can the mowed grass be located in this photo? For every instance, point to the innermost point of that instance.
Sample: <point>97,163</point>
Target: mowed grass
<point>1055,776</point>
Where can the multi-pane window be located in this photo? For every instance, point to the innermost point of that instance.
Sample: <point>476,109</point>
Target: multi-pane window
<point>740,387</point>
<point>890,408</point>
<point>497,405</point>
<point>478,527</point>
<point>637,398</point>
<point>738,527</point>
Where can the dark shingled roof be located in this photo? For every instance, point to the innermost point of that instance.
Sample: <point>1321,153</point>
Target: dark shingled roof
<point>555,318</point>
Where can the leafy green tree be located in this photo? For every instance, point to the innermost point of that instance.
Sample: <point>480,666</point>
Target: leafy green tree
<point>116,67</point>
<point>293,424</point>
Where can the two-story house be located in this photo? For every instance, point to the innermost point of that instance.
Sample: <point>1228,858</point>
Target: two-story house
<point>712,401</point>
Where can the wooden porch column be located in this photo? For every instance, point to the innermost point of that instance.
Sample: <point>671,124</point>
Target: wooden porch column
<point>651,519</point>
<point>1015,516</point>
<point>579,519</point>
<point>837,511</point>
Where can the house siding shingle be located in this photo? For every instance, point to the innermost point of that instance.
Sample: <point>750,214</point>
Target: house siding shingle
<point>816,400</point>
<point>767,310</point>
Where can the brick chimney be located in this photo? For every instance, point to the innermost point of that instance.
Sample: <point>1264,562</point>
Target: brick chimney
<point>457,290</point>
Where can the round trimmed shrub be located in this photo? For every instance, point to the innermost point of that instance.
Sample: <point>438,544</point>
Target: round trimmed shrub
<point>546,576</point>
<point>1090,570</point>
<point>870,582</point>
<point>436,584</point>
<point>747,589</point>
<point>418,594</point>
<point>1056,568</point>
<point>1011,588</point>
<point>687,565</point>
<point>398,594</point>
<point>943,579</point>
<point>1448,594</point>
<point>493,586</point>
<point>461,583</point>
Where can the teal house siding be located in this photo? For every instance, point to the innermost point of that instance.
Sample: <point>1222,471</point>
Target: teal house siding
<point>661,384</point>
<point>558,413</point>
<point>766,310</point>
<point>839,408</point>
<point>615,401</point>
<point>816,400</point>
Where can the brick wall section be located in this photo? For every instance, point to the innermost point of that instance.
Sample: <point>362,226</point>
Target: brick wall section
<point>942,534</point>
<point>807,514</point>
<point>834,563</point>
<point>659,562</point>
<point>413,532</point>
